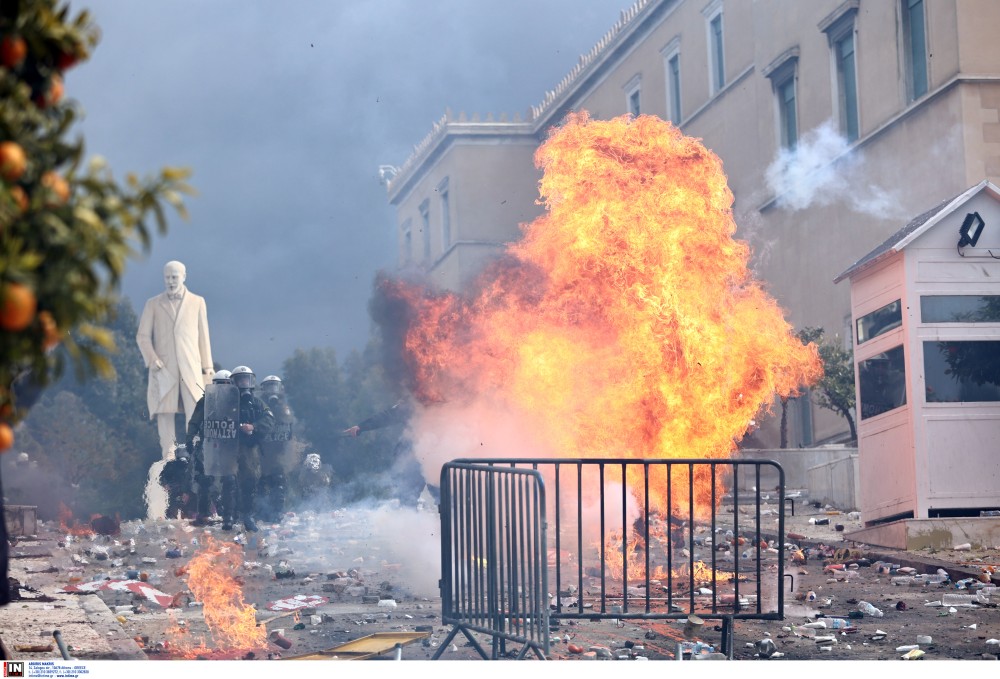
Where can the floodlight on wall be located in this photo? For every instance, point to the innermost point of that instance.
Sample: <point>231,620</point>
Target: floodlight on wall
<point>970,230</point>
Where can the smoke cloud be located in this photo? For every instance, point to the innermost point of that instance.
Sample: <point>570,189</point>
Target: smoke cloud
<point>411,538</point>
<point>485,427</point>
<point>823,170</point>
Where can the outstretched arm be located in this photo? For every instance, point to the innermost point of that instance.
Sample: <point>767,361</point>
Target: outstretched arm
<point>396,414</point>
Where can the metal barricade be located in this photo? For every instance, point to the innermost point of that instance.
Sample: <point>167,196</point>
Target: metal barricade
<point>493,546</point>
<point>645,539</point>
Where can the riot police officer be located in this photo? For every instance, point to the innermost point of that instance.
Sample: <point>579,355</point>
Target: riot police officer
<point>177,478</point>
<point>272,489</point>
<point>211,436</point>
<point>256,421</point>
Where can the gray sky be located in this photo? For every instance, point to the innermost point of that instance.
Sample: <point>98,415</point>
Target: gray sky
<point>284,111</point>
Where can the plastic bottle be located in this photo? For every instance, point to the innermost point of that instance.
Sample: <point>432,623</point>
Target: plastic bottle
<point>837,623</point>
<point>869,609</point>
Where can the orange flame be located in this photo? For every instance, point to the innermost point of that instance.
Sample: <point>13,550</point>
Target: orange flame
<point>634,558</point>
<point>626,321</point>
<point>68,524</point>
<point>212,580</point>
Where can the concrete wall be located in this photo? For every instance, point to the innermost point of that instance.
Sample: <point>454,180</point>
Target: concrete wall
<point>827,475</point>
<point>835,483</point>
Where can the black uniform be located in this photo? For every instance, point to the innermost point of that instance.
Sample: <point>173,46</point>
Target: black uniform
<point>408,476</point>
<point>398,413</point>
<point>204,487</point>
<point>233,495</point>
<point>252,411</point>
<point>272,489</point>
<point>177,477</point>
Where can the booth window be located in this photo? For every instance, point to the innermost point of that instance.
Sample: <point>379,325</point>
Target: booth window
<point>960,309</point>
<point>882,379</point>
<point>962,371</point>
<point>880,321</point>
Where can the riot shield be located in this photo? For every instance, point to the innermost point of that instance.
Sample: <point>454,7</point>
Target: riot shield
<point>276,441</point>
<point>222,414</point>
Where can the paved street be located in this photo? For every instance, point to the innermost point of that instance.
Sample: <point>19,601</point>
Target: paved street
<point>318,581</point>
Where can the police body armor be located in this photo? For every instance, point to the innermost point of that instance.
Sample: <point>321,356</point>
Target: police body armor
<point>276,442</point>
<point>222,415</point>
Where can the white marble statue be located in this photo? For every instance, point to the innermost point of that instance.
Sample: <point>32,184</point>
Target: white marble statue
<point>174,341</point>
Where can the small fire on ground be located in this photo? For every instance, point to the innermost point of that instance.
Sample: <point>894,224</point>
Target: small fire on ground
<point>212,579</point>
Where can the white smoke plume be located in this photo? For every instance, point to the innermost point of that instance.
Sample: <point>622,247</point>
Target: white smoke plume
<point>482,428</point>
<point>823,170</point>
<point>412,538</point>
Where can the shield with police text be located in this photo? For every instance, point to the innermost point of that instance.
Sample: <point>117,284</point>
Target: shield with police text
<point>222,415</point>
<point>276,441</point>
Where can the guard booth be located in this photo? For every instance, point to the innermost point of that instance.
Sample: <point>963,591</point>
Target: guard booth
<point>925,306</point>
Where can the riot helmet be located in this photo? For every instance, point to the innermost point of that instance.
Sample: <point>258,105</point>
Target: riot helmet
<point>222,377</point>
<point>244,378</point>
<point>272,386</point>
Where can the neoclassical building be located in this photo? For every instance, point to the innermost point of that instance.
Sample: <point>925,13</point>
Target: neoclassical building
<point>838,122</point>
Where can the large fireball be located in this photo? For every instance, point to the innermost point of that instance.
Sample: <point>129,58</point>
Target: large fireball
<point>626,322</point>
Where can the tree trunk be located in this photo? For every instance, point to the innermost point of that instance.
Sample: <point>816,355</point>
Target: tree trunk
<point>850,423</point>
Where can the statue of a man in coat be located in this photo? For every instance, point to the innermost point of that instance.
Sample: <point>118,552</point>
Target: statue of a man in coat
<point>174,341</point>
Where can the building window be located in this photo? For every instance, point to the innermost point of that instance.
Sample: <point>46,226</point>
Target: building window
<point>915,48</point>
<point>633,103</point>
<point>962,371</point>
<point>633,97</point>
<point>716,52</point>
<point>840,33</point>
<point>880,321</point>
<point>782,73</point>
<point>786,113</point>
<point>425,228</point>
<point>882,382</point>
<point>847,86</point>
<point>672,67</point>
<point>960,309</point>
<point>674,88</point>
<point>407,245</point>
<point>445,216</point>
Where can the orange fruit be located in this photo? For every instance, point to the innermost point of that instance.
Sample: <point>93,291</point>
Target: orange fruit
<point>53,92</point>
<point>66,60</point>
<point>13,50</point>
<point>17,306</point>
<point>13,161</point>
<point>58,188</point>
<point>20,198</point>
<point>6,437</point>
